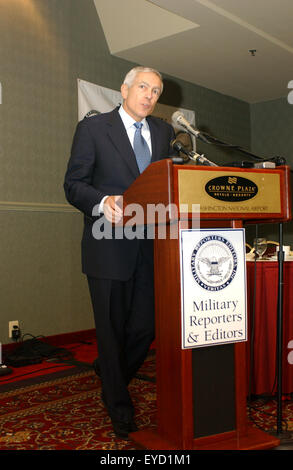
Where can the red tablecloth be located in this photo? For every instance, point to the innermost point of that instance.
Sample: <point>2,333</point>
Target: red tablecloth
<point>263,366</point>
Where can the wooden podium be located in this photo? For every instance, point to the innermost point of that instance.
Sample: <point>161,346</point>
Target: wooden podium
<point>201,392</point>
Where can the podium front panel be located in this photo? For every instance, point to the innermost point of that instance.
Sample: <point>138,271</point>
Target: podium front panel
<point>234,193</point>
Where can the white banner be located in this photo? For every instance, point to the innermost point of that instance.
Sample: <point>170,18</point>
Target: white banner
<point>213,287</point>
<point>95,97</point>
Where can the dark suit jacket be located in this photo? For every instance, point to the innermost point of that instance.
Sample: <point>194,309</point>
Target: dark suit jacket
<point>103,163</point>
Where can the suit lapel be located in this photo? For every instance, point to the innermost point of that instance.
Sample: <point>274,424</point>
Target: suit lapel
<point>120,140</point>
<point>155,136</point>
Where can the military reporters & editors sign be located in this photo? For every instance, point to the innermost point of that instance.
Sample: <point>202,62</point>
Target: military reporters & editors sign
<point>213,287</point>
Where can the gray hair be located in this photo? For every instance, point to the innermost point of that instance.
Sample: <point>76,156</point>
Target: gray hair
<point>130,76</point>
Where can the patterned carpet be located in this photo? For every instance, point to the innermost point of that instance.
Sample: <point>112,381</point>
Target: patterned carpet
<point>262,412</point>
<point>67,413</point>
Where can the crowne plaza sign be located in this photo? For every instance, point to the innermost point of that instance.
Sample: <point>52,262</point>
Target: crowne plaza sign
<point>231,188</point>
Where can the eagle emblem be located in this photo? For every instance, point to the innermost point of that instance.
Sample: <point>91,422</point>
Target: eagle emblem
<point>214,262</point>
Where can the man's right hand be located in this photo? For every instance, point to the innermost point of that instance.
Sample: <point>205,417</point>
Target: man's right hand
<point>113,209</point>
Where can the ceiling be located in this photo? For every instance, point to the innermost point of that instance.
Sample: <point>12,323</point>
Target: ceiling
<point>208,43</point>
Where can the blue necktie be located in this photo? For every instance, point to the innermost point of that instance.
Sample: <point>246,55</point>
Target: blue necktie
<point>141,148</point>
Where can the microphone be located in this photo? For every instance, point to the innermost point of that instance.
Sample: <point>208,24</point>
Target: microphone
<point>196,157</point>
<point>179,118</point>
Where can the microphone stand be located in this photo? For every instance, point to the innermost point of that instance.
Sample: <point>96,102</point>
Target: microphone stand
<point>279,350</point>
<point>194,156</point>
<point>279,339</point>
<point>279,358</point>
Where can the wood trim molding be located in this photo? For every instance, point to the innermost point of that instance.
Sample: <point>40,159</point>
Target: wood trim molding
<point>8,206</point>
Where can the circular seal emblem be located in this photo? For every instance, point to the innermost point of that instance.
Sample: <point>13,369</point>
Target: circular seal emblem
<point>214,263</point>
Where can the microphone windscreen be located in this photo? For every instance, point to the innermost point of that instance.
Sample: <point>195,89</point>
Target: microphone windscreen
<point>175,116</point>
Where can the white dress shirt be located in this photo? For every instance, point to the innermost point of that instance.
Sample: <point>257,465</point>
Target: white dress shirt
<point>128,122</point>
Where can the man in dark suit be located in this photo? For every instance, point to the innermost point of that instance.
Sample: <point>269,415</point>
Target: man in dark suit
<point>105,160</point>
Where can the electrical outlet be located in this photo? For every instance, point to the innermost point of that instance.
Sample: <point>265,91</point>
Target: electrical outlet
<point>11,325</point>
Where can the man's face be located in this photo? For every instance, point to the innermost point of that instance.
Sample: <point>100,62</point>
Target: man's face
<point>141,97</point>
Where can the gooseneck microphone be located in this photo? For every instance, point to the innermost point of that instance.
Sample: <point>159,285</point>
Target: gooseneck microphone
<point>178,118</point>
<point>196,157</point>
